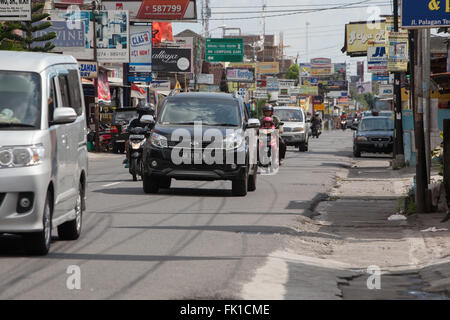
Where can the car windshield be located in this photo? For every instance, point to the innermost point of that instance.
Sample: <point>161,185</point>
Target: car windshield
<point>124,116</point>
<point>20,97</point>
<point>386,114</point>
<point>289,115</point>
<point>207,111</point>
<point>376,124</point>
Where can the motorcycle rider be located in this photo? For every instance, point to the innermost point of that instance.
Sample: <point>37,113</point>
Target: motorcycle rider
<point>143,108</point>
<point>316,121</point>
<point>268,112</point>
<point>344,117</point>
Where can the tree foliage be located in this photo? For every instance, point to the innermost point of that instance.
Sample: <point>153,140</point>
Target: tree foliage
<point>293,72</point>
<point>10,40</point>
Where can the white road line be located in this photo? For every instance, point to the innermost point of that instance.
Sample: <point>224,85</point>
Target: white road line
<point>111,184</point>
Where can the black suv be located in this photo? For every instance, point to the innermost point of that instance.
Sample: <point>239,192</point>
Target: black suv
<point>202,136</point>
<point>374,134</point>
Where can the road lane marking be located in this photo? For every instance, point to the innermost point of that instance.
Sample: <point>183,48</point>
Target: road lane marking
<point>111,184</point>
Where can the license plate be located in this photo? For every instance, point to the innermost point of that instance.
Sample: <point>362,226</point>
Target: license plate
<point>120,140</point>
<point>137,136</point>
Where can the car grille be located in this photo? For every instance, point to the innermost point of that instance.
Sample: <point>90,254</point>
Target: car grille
<point>380,139</point>
<point>288,129</point>
<point>2,196</point>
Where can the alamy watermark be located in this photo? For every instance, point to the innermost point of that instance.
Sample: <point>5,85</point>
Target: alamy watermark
<point>374,280</point>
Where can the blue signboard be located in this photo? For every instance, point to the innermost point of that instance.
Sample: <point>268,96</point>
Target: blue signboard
<point>380,77</point>
<point>425,13</point>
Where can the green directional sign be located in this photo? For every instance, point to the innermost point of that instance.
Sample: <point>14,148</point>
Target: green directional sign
<point>225,50</point>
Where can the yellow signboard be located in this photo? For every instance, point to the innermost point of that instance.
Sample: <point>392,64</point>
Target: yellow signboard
<point>268,67</point>
<point>359,35</point>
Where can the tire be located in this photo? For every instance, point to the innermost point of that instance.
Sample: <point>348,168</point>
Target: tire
<point>165,183</point>
<point>356,152</point>
<point>38,243</point>
<point>240,186</point>
<point>71,230</point>
<point>133,168</point>
<point>151,186</point>
<point>115,148</point>
<point>252,182</point>
<point>303,147</point>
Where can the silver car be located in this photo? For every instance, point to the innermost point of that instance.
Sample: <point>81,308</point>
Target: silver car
<point>295,127</point>
<point>43,151</point>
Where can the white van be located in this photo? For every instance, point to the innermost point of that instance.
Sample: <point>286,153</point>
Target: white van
<point>43,150</point>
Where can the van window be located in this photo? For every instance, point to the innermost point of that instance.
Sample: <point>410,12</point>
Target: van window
<point>52,100</point>
<point>74,92</point>
<point>64,91</point>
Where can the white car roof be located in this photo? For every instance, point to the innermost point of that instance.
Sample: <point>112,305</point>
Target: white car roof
<point>31,61</point>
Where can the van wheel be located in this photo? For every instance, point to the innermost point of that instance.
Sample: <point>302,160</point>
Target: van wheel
<point>252,182</point>
<point>150,185</point>
<point>240,186</point>
<point>71,230</point>
<point>38,243</point>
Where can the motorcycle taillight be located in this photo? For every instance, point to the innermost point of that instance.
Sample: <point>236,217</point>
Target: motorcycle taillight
<point>114,129</point>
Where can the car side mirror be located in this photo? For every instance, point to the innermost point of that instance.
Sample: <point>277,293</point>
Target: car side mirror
<point>253,124</point>
<point>148,119</point>
<point>63,115</point>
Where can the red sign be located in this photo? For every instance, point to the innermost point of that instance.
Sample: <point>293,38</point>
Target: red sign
<point>162,9</point>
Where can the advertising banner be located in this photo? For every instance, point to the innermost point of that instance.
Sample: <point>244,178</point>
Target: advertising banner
<point>67,36</point>
<point>112,34</point>
<point>161,85</point>
<point>170,59</point>
<point>88,69</point>
<point>19,10</point>
<point>398,55</point>
<point>380,77</point>
<point>267,67</point>
<point>205,79</point>
<point>377,59</point>
<point>309,90</point>
<point>272,84</point>
<point>140,66</point>
<point>305,70</point>
<point>158,10</point>
<point>340,71</point>
<point>112,29</point>
<point>224,50</point>
<point>386,91</point>
<point>286,84</point>
<point>359,34</point>
<point>104,94</point>
<point>425,14</point>
<point>261,94</point>
<point>241,75</point>
<point>321,67</point>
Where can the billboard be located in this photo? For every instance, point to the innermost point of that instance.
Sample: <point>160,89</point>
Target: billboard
<point>170,59</point>
<point>309,90</point>
<point>305,70</point>
<point>398,54</point>
<point>158,10</point>
<point>321,67</point>
<point>140,66</point>
<point>267,67</point>
<point>224,50</point>
<point>88,69</point>
<point>240,75</point>
<point>67,36</point>
<point>377,59</point>
<point>359,34</point>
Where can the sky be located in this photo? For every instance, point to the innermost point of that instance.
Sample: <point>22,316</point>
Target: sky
<point>326,27</point>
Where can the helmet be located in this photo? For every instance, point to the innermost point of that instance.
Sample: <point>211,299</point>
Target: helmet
<point>267,107</point>
<point>317,114</point>
<point>144,108</point>
<point>267,119</point>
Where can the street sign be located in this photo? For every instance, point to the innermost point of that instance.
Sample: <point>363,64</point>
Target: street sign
<point>425,14</point>
<point>224,50</point>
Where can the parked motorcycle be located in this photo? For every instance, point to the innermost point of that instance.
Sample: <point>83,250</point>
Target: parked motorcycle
<point>137,139</point>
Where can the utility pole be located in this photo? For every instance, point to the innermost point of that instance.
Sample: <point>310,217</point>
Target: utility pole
<point>307,42</point>
<point>426,56</point>
<point>96,102</point>
<point>417,76</point>
<point>399,153</point>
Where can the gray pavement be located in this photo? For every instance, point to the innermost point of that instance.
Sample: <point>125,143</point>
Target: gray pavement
<point>193,241</point>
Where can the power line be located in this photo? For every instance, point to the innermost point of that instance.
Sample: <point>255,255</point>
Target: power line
<point>290,5</point>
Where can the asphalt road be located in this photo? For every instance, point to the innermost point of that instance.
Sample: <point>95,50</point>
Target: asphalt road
<point>193,241</point>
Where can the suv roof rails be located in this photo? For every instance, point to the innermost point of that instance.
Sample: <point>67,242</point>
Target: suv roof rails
<point>173,92</point>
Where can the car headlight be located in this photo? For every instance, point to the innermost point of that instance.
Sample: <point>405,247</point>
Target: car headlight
<point>158,140</point>
<point>233,141</point>
<point>361,139</point>
<point>299,129</point>
<point>21,156</point>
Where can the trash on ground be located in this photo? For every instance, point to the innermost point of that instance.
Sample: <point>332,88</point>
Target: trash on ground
<point>433,229</point>
<point>397,217</point>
